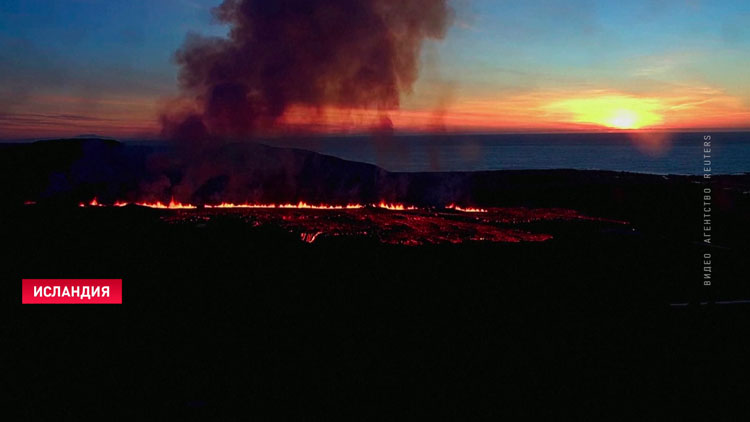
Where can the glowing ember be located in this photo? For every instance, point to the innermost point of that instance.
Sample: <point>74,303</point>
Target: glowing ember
<point>400,227</point>
<point>310,237</point>
<point>462,209</point>
<point>93,203</point>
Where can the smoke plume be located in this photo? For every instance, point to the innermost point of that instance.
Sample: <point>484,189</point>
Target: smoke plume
<point>349,54</point>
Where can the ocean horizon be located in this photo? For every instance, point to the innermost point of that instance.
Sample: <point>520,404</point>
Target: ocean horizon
<point>663,153</point>
<point>679,153</point>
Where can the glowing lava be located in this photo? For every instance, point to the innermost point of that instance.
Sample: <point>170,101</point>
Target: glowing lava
<point>463,209</point>
<point>176,205</point>
<point>93,203</point>
<point>172,205</point>
<point>299,205</point>
<point>395,207</point>
<point>400,224</point>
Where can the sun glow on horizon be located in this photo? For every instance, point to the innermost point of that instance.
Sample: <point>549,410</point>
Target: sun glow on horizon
<point>600,109</point>
<point>624,119</point>
<point>612,111</point>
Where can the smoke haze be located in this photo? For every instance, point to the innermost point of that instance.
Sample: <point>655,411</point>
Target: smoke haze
<point>349,54</point>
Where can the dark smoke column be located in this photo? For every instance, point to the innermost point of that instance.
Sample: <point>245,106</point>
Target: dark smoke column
<point>316,53</point>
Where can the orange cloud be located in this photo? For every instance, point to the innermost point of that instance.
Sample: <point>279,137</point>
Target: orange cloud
<point>610,111</point>
<point>675,107</point>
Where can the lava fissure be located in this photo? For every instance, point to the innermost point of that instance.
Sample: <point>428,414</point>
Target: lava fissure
<point>176,205</point>
<point>386,222</point>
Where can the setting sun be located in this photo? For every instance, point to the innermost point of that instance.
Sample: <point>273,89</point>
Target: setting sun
<point>612,111</point>
<point>624,119</point>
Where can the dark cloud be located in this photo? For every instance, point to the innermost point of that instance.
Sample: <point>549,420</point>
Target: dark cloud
<point>314,53</point>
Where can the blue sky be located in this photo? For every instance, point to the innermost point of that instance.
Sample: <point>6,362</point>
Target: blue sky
<point>109,60</point>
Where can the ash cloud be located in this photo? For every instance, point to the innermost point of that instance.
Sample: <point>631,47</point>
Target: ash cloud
<point>350,54</point>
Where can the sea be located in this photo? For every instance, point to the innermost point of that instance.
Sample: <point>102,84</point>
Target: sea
<point>686,153</point>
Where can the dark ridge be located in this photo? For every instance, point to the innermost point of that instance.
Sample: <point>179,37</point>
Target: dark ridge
<point>71,171</point>
<point>221,317</point>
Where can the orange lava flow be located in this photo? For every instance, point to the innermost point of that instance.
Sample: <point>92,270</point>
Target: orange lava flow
<point>94,203</point>
<point>299,205</point>
<point>395,207</point>
<point>176,205</point>
<point>172,205</point>
<point>462,209</point>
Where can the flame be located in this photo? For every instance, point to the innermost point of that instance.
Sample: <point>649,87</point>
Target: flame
<point>465,209</point>
<point>395,207</point>
<point>299,205</point>
<point>233,205</point>
<point>172,205</point>
<point>175,205</point>
<point>93,203</point>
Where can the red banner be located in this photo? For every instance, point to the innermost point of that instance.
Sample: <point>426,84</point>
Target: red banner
<point>71,291</point>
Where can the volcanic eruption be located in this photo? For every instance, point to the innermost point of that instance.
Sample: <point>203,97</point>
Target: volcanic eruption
<point>314,54</point>
<point>280,57</point>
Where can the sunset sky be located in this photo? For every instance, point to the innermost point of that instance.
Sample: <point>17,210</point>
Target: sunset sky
<point>90,66</point>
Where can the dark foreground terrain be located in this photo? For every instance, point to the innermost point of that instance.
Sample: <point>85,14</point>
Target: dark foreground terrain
<point>226,321</point>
